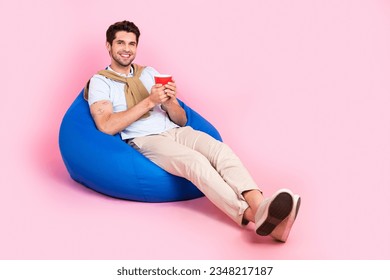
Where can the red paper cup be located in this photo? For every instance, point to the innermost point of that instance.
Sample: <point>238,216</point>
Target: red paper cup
<point>162,79</point>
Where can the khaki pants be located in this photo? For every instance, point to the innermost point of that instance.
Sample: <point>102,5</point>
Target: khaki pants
<point>209,164</point>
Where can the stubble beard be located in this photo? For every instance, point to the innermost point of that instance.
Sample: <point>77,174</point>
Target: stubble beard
<point>118,61</point>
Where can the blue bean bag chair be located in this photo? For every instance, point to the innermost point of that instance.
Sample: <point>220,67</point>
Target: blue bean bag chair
<point>108,165</point>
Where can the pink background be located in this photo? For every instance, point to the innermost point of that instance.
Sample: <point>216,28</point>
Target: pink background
<point>299,89</point>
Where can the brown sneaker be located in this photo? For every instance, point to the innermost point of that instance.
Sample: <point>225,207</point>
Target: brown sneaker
<point>282,231</point>
<point>272,211</point>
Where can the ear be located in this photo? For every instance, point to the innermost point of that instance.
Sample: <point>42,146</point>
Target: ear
<point>108,47</point>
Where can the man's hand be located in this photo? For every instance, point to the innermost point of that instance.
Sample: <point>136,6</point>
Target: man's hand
<point>166,96</point>
<point>158,94</point>
<point>170,91</point>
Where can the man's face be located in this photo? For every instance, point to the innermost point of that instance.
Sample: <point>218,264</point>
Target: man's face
<point>123,49</point>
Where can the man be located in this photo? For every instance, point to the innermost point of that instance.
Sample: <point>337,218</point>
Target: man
<point>124,99</point>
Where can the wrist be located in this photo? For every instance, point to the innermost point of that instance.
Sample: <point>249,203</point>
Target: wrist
<point>149,103</point>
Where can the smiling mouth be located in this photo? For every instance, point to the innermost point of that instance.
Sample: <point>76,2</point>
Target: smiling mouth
<point>125,55</point>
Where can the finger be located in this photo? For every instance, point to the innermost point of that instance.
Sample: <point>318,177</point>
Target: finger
<point>156,89</point>
<point>171,86</point>
<point>160,91</point>
<point>158,86</point>
<point>170,89</point>
<point>164,99</point>
<point>170,93</point>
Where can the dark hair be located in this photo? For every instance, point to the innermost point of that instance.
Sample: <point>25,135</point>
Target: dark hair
<point>121,26</point>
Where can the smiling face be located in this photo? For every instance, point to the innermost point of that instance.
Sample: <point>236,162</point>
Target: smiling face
<point>122,51</point>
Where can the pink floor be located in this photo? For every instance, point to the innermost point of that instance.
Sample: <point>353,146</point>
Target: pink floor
<point>306,107</point>
<point>48,216</point>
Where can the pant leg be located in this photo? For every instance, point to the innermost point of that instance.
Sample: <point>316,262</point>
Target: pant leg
<point>183,161</point>
<point>221,157</point>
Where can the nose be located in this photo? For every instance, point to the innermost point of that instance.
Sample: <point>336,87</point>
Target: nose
<point>127,48</point>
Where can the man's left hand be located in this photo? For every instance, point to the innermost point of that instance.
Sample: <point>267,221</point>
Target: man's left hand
<point>170,91</point>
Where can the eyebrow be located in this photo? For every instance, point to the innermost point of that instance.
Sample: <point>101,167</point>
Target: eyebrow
<point>131,42</point>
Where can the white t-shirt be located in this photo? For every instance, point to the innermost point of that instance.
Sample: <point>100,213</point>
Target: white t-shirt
<point>102,88</point>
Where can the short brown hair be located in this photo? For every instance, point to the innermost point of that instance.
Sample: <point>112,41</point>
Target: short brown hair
<point>121,26</point>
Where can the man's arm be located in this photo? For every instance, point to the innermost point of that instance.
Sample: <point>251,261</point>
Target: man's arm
<point>112,123</point>
<point>109,122</point>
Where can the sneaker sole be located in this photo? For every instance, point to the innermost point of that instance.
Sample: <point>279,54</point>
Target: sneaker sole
<point>278,210</point>
<point>282,236</point>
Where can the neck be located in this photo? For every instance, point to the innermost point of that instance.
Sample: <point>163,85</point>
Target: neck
<point>121,69</point>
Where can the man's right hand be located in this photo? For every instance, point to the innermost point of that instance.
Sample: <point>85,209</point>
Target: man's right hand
<point>158,95</point>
